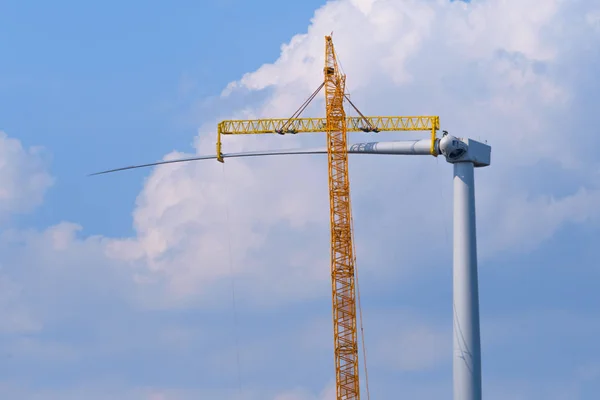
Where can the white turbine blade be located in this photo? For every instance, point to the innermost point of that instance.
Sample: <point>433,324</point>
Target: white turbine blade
<point>402,147</point>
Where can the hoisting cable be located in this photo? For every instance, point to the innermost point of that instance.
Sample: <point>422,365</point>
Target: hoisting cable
<point>233,299</point>
<point>300,110</point>
<point>360,314</point>
<point>370,127</point>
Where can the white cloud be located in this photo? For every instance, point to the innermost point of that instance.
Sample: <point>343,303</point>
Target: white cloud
<point>17,316</point>
<point>533,220</point>
<point>507,73</point>
<point>24,178</point>
<point>187,217</point>
<point>498,79</point>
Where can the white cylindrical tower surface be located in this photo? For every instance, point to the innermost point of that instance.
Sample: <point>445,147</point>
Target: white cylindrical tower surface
<point>467,347</point>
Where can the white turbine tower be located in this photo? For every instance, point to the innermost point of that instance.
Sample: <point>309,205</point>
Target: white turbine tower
<point>465,155</point>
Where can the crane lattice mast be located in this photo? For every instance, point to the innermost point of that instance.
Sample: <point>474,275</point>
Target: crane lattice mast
<point>342,258</point>
<point>336,125</point>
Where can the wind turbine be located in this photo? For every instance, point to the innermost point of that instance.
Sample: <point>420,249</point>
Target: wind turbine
<point>465,154</point>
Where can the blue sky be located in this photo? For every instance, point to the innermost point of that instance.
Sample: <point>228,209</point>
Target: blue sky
<point>120,287</point>
<point>105,78</point>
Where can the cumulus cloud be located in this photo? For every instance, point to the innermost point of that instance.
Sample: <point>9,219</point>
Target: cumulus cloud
<point>197,224</point>
<point>509,81</point>
<point>24,177</point>
<point>518,75</point>
<point>43,271</point>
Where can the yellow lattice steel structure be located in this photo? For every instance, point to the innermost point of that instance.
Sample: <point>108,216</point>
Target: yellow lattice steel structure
<point>342,257</point>
<point>308,125</point>
<point>336,124</point>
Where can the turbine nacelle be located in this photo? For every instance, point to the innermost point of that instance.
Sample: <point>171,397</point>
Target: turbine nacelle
<point>464,150</point>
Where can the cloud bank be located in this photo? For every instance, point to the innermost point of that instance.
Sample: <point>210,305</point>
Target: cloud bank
<point>521,75</point>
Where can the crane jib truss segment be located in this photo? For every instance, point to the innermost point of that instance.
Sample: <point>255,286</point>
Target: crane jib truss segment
<point>353,124</point>
<point>342,258</point>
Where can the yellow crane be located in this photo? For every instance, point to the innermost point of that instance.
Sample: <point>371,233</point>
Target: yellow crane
<point>336,125</point>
